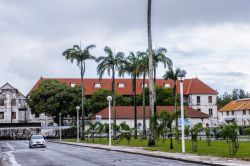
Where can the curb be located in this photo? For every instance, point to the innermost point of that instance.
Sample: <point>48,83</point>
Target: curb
<point>140,153</point>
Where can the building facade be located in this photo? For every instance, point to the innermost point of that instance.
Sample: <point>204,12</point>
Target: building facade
<point>197,94</point>
<point>238,110</point>
<point>126,114</point>
<point>13,106</point>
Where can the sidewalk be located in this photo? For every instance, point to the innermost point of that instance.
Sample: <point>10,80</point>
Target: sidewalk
<point>208,160</point>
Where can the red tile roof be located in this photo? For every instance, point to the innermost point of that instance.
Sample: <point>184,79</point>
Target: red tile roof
<point>236,105</point>
<point>127,112</point>
<point>190,86</point>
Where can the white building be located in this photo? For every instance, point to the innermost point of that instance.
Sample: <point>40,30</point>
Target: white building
<point>239,110</point>
<point>126,114</point>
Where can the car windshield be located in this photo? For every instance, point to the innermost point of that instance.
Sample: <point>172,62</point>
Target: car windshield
<point>37,137</point>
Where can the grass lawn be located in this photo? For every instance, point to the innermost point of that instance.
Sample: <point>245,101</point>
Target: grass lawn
<point>217,148</point>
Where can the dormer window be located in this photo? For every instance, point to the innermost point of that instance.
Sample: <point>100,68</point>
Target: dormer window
<point>121,85</point>
<point>73,85</point>
<point>167,85</point>
<point>97,85</point>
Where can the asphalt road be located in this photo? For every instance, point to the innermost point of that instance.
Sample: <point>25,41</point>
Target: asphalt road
<point>17,153</point>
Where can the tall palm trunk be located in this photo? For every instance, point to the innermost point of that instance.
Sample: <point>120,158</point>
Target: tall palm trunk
<point>113,97</point>
<point>151,81</point>
<point>144,105</point>
<point>83,109</point>
<point>135,107</point>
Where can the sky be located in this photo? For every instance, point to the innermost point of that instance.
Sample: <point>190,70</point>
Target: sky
<point>209,39</point>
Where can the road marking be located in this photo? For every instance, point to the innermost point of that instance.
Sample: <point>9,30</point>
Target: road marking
<point>11,147</point>
<point>12,159</point>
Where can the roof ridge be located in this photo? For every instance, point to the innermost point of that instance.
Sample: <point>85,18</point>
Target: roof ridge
<point>190,82</point>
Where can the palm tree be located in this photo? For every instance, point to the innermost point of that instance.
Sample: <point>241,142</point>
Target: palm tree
<point>131,67</point>
<point>173,75</point>
<point>110,63</point>
<point>167,119</point>
<point>80,56</point>
<point>159,56</point>
<point>143,69</point>
<point>151,140</point>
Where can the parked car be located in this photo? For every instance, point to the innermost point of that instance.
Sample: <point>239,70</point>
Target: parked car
<point>37,141</point>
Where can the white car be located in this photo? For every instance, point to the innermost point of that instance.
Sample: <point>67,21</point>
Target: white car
<point>37,141</point>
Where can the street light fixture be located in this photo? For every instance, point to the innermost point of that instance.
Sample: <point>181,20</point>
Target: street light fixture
<point>60,129</point>
<point>109,98</point>
<point>181,75</point>
<point>77,122</point>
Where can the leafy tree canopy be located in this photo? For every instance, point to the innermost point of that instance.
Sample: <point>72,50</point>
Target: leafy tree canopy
<point>53,97</point>
<point>163,96</point>
<point>234,95</point>
<point>98,100</point>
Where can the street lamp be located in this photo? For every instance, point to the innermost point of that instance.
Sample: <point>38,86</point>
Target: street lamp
<point>181,75</point>
<point>60,129</point>
<point>109,98</point>
<point>77,122</point>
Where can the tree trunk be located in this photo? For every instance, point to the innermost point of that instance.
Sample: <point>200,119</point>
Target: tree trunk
<point>151,81</point>
<point>113,97</point>
<point>171,139</point>
<point>135,107</point>
<point>83,109</point>
<point>144,106</point>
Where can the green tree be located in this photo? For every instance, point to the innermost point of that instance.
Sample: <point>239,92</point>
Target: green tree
<point>187,131</point>
<point>230,132</point>
<point>110,63</point>
<point>98,100</point>
<point>173,75</point>
<point>143,69</point>
<point>52,97</point>
<point>131,67</point>
<point>208,135</point>
<point>164,97</point>
<point>80,56</point>
<point>167,120</point>
<point>194,134</point>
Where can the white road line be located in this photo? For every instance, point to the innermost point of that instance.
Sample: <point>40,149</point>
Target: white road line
<point>11,147</point>
<point>12,159</point>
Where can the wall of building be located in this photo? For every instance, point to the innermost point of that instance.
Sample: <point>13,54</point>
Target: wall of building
<point>241,119</point>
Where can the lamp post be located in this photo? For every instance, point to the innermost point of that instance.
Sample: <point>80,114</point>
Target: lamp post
<point>109,98</point>
<point>60,129</point>
<point>77,123</point>
<point>181,75</point>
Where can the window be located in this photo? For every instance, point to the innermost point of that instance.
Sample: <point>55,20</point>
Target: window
<point>1,115</point>
<point>145,85</point>
<point>198,100</point>
<point>189,99</point>
<point>210,99</point>
<point>1,102</point>
<point>232,112</point>
<point>167,85</point>
<point>98,118</point>
<point>73,85</point>
<point>221,113</point>
<point>13,115</point>
<point>210,112</point>
<point>121,85</point>
<point>13,102</point>
<point>97,85</point>
<point>227,113</point>
<point>244,112</point>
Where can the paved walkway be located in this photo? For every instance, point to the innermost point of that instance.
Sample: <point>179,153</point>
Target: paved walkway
<point>209,160</point>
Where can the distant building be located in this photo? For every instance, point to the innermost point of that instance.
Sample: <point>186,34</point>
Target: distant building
<point>126,114</point>
<point>238,110</point>
<point>13,107</point>
<point>197,94</point>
